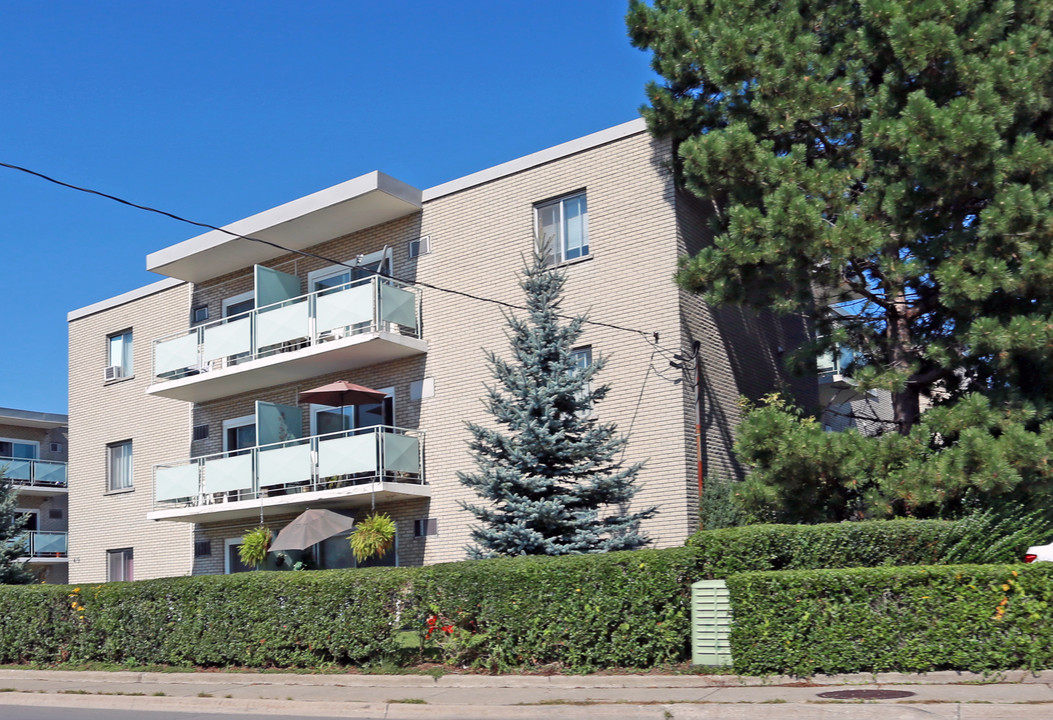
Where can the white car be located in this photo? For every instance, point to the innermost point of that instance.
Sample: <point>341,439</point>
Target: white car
<point>1039,553</point>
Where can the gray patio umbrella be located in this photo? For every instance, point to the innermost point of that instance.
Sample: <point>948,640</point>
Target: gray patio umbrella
<point>311,527</point>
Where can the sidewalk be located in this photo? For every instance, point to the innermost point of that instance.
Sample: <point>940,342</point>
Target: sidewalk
<point>951,695</point>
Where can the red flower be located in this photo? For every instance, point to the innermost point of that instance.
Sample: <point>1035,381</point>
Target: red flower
<point>447,628</point>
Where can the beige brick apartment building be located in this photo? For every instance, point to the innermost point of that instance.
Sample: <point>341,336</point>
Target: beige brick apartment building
<point>185,418</point>
<point>33,448</point>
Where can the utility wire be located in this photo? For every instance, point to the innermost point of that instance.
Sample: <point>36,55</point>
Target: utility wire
<point>304,253</point>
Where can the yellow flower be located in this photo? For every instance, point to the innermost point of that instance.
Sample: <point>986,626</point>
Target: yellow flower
<point>1016,574</point>
<point>1005,586</point>
<point>76,589</point>
<point>924,597</point>
<point>577,589</point>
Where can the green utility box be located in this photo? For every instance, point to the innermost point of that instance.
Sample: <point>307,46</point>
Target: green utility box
<point>710,623</point>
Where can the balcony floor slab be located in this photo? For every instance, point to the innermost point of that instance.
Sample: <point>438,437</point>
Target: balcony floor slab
<point>342,497</point>
<point>347,353</point>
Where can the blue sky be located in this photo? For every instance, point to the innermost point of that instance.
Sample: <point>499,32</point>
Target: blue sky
<point>216,111</point>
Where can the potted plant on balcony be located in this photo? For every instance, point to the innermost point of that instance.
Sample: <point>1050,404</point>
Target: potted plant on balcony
<point>254,546</point>
<point>373,536</point>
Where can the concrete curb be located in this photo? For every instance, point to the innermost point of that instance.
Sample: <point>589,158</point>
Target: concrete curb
<point>454,680</point>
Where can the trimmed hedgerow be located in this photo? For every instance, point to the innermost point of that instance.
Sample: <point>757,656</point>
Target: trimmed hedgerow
<point>981,538</point>
<point>579,613</point>
<point>908,619</point>
<point>584,612</point>
<point>253,619</point>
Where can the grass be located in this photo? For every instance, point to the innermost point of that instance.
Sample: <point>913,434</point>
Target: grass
<point>409,701</point>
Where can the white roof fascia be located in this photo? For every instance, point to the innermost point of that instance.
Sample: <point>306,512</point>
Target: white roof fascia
<point>299,209</point>
<point>633,127</point>
<point>32,419</point>
<point>127,297</point>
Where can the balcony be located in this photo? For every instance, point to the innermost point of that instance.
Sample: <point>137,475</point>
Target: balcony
<point>35,477</point>
<point>342,469</point>
<point>45,547</point>
<point>835,385</point>
<point>367,321</point>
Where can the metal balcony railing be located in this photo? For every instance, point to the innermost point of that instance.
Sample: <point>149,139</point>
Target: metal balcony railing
<point>34,473</point>
<point>41,544</point>
<point>304,465</point>
<point>367,305</point>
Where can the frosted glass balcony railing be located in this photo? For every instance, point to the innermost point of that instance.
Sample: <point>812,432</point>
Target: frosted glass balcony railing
<point>34,473</point>
<point>368,305</point>
<point>39,544</point>
<point>312,464</point>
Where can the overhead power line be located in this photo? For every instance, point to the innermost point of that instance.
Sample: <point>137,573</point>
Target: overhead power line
<point>304,253</point>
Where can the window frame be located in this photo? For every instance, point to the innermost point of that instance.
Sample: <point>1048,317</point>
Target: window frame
<point>127,561</point>
<point>381,258</point>
<point>586,389</point>
<point>556,252</point>
<point>111,487</point>
<point>127,359</point>
<point>18,441</point>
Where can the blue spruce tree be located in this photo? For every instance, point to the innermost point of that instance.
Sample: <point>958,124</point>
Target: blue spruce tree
<point>550,467</point>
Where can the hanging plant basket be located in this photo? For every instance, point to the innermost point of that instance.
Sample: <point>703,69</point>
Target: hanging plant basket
<point>373,536</point>
<point>254,546</point>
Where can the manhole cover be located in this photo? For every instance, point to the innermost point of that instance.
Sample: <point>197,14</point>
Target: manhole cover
<point>865,694</point>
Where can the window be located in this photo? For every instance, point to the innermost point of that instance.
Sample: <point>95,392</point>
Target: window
<point>425,527</point>
<point>119,565</point>
<point>581,358</point>
<point>119,466</point>
<point>199,314</point>
<point>562,228</point>
<point>325,420</point>
<point>19,449</point>
<point>239,435</point>
<point>119,363</point>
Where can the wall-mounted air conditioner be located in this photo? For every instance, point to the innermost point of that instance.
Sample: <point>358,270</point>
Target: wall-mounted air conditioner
<point>114,372</point>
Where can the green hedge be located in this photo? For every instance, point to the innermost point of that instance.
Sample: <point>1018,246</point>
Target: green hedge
<point>582,613</point>
<point>586,612</point>
<point>252,619</point>
<point>963,617</point>
<point>981,538</point>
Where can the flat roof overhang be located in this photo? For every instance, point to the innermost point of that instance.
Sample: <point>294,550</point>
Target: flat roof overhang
<point>357,204</point>
<point>31,419</point>
<point>348,353</point>
<point>344,497</point>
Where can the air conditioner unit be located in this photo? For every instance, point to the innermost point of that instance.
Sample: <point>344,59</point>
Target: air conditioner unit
<point>114,372</point>
<point>420,246</point>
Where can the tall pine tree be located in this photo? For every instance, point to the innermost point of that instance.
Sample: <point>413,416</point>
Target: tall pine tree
<point>12,549</point>
<point>550,470</point>
<point>896,156</point>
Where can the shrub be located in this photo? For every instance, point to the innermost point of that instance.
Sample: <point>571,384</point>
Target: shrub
<point>583,612</point>
<point>980,538</point>
<point>963,617</point>
<point>255,619</point>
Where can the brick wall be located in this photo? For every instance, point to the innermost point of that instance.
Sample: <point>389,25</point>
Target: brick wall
<point>480,238</point>
<point>107,412</point>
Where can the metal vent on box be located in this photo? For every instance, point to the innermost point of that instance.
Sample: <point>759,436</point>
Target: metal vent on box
<point>710,623</point>
<point>202,548</point>
<point>201,432</point>
<point>420,246</point>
